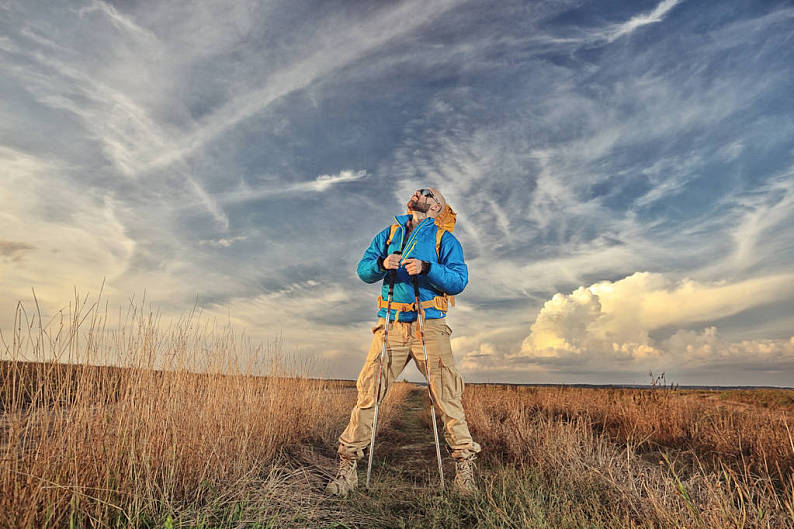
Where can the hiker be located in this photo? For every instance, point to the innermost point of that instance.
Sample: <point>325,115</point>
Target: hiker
<point>429,253</point>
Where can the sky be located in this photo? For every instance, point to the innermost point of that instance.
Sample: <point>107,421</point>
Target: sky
<point>623,174</point>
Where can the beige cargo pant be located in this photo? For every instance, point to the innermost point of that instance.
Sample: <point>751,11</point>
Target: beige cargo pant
<point>445,381</point>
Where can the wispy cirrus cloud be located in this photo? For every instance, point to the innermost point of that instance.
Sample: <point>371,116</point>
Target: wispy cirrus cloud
<point>320,184</point>
<point>761,232</point>
<point>333,50</point>
<point>119,20</point>
<point>325,181</point>
<point>637,21</point>
<point>142,146</point>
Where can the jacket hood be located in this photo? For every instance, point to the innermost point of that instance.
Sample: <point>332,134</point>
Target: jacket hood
<point>445,220</point>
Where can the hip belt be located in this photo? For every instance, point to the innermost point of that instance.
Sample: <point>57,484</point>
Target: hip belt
<point>441,303</point>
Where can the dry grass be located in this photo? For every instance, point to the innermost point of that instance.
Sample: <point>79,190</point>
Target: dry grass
<point>651,458</point>
<point>95,446</point>
<point>182,430</point>
<point>765,398</point>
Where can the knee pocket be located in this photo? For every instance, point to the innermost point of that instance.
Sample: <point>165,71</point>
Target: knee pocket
<point>439,345</point>
<point>451,382</point>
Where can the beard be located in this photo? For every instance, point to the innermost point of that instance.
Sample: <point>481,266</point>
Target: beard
<point>414,205</point>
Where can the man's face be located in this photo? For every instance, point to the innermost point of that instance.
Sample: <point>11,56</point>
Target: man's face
<point>422,200</point>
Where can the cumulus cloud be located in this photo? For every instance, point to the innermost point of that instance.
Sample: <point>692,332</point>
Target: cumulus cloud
<point>473,346</point>
<point>615,320</point>
<point>707,346</point>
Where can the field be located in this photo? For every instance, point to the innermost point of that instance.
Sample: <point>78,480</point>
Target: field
<point>154,444</point>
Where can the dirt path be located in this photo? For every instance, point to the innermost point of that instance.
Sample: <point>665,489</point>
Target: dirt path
<point>408,449</point>
<point>404,485</point>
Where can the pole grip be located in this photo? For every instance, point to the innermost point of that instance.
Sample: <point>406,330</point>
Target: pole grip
<point>392,275</point>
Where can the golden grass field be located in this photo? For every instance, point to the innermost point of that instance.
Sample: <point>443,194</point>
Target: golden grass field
<point>156,444</point>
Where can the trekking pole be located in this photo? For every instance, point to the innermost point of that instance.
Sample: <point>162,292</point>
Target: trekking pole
<point>420,317</point>
<point>392,273</point>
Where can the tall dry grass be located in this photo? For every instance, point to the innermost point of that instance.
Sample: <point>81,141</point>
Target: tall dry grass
<point>177,426</point>
<point>719,433</point>
<point>643,458</point>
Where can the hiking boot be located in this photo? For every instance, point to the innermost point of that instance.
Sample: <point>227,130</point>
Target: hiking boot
<point>346,478</point>
<point>464,476</point>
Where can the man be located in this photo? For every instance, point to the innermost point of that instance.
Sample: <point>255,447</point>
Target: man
<point>420,246</point>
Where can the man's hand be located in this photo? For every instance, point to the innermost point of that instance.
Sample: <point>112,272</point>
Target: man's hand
<point>392,262</point>
<point>413,266</point>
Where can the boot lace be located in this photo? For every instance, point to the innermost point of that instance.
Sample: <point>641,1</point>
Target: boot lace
<point>464,471</point>
<point>346,466</point>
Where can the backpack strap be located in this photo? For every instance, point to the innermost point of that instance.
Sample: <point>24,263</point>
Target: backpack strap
<point>444,222</point>
<point>439,235</point>
<point>392,231</point>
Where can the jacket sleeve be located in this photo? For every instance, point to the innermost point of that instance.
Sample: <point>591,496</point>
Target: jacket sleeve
<point>450,274</point>
<point>368,269</point>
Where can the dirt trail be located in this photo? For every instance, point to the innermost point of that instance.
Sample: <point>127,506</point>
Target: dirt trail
<point>404,469</point>
<point>408,449</point>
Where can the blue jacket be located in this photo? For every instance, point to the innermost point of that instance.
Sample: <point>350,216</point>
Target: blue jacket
<point>448,273</point>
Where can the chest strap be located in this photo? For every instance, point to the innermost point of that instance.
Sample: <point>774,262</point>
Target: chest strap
<point>441,303</point>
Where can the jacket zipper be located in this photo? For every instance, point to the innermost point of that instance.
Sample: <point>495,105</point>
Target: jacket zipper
<point>411,238</point>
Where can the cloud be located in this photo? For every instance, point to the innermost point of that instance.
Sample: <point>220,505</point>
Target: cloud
<point>657,15</point>
<point>323,182</point>
<point>117,19</point>
<point>123,98</point>
<point>223,242</point>
<point>110,107</point>
<point>765,217</point>
<point>168,147</point>
<point>320,184</point>
<point>71,242</point>
<point>707,347</point>
<point>332,50</point>
<point>328,321</point>
<point>589,173</point>
<point>14,250</point>
<point>613,321</point>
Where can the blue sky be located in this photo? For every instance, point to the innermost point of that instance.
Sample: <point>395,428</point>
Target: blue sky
<point>623,173</point>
